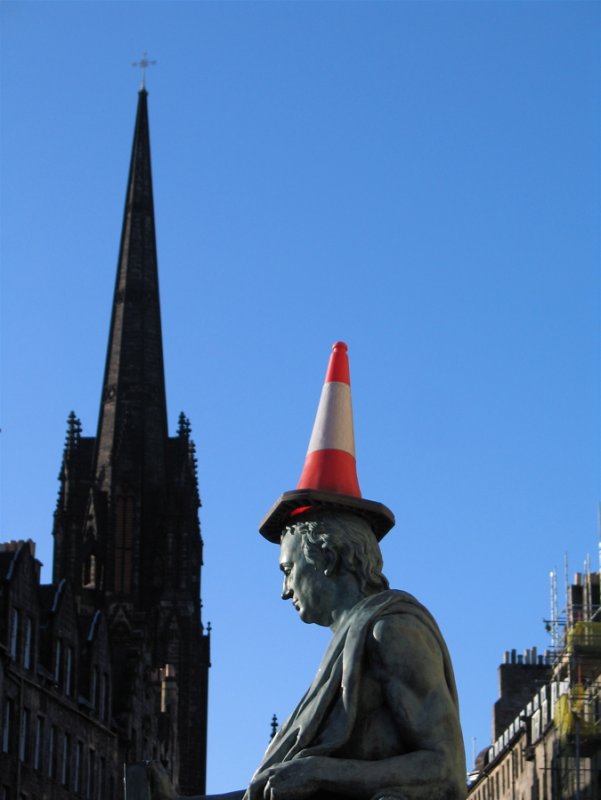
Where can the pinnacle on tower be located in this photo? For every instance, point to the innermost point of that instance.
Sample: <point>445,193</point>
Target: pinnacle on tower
<point>73,433</point>
<point>183,427</point>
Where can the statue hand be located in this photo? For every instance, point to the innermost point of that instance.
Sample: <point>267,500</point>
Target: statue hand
<point>291,780</point>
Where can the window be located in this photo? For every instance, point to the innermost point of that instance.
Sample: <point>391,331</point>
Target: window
<point>94,688</point>
<point>69,671</point>
<point>521,760</point>
<point>65,759</point>
<point>52,752</point>
<point>89,572</point>
<point>6,723</point>
<point>57,662</point>
<point>123,544</point>
<point>14,634</point>
<point>27,655</point>
<point>37,745</point>
<point>24,735</point>
<point>104,696</point>
<point>77,772</point>
<point>91,774</point>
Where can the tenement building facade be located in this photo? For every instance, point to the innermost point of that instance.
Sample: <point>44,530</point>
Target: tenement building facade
<point>109,664</point>
<point>547,721</point>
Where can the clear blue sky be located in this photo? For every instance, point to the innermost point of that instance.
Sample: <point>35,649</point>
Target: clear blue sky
<point>421,180</point>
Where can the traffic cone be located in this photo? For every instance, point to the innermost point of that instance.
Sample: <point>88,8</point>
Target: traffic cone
<point>330,464</point>
<point>328,481</point>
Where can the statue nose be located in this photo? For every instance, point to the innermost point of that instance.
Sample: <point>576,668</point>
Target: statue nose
<point>286,593</point>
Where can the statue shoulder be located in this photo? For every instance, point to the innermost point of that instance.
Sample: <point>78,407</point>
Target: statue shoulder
<point>408,666</point>
<point>392,602</point>
<point>404,644</point>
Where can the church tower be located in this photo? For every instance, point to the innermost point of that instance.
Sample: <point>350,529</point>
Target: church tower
<point>126,529</point>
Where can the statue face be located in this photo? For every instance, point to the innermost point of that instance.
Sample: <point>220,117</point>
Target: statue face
<point>306,584</point>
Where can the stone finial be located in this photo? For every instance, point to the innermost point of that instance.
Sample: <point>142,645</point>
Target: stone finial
<point>73,434</point>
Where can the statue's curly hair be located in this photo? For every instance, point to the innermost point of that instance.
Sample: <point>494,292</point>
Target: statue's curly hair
<point>351,538</point>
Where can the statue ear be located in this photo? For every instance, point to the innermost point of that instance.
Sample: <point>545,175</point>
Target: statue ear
<point>330,559</point>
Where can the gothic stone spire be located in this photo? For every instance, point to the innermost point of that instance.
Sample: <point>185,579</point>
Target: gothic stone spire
<point>132,428</point>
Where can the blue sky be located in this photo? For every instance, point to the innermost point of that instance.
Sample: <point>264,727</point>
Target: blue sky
<point>419,179</point>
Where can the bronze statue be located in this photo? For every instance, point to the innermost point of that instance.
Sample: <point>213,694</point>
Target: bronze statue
<point>380,720</point>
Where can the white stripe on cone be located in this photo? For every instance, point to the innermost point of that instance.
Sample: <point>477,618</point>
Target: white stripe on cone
<point>333,428</point>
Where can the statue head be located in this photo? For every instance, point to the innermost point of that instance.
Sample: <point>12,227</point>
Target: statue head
<point>330,560</point>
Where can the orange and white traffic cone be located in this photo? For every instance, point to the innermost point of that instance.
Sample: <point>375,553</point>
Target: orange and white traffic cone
<point>330,464</point>
<point>328,482</point>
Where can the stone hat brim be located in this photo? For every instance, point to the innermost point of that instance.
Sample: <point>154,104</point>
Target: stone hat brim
<point>282,513</point>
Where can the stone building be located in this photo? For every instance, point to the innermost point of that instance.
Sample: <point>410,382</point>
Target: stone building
<point>55,684</point>
<point>547,721</point>
<point>109,664</point>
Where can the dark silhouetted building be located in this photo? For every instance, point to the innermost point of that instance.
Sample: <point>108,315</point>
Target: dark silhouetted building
<point>109,664</point>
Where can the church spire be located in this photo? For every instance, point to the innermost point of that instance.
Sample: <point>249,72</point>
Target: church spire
<point>126,529</point>
<point>132,427</point>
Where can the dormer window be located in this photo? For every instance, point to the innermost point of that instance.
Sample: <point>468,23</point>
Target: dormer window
<point>14,634</point>
<point>57,662</point>
<point>27,644</point>
<point>69,671</point>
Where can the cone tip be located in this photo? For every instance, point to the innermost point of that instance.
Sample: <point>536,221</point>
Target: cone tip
<point>338,367</point>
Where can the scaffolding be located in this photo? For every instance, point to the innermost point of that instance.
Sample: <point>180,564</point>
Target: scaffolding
<point>577,716</point>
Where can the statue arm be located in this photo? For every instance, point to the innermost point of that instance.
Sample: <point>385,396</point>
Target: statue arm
<point>406,661</point>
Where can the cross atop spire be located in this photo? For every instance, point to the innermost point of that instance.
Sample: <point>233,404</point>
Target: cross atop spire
<point>143,63</point>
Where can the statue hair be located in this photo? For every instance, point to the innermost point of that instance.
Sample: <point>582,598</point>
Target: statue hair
<point>352,539</point>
